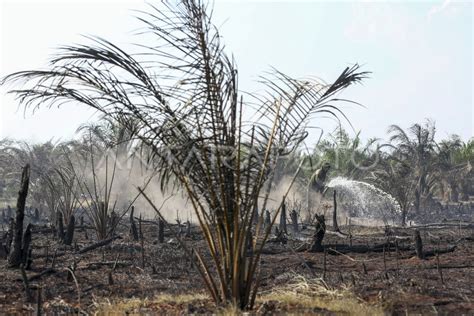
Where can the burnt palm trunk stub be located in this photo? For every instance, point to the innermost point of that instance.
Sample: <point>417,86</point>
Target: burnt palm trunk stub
<point>317,243</point>
<point>36,216</point>
<point>161,231</point>
<point>133,226</point>
<point>26,247</point>
<point>15,255</point>
<point>334,214</point>
<point>60,225</point>
<point>255,217</point>
<point>418,245</point>
<point>283,218</point>
<point>9,211</point>
<point>294,220</point>
<point>70,231</point>
<point>10,233</point>
<point>268,220</point>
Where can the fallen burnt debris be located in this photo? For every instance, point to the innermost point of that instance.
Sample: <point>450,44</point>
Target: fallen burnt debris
<point>81,269</point>
<point>116,268</point>
<point>373,262</point>
<point>392,243</point>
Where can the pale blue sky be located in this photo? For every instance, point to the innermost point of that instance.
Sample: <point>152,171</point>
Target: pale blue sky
<point>420,53</point>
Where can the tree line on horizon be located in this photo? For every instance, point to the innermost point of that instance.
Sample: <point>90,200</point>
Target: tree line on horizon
<point>412,167</point>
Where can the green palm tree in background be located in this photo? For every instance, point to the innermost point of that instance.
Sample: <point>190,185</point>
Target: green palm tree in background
<point>416,147</point>
<point>463,158</point>
<point>394,176</point>
<point>449,169</point>
<point>43,158</point>
<point>347,155</point>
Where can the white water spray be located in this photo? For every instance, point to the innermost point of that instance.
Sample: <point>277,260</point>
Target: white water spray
<point>364,200</point>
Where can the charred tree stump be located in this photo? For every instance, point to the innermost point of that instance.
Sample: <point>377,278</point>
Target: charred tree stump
<point>70,231</point>
<point>161,231</point>
<point>280,236</point>
<point>418,245</point>
<point>60,226</point>
<point>283,218</point>
<point>142,244</point>
<point>188,228</point>
<point>334,214</point>
<point>25,248</point>
<point>180,229</point>
<point>36,216</point>
<point>15,255</point>
<point>133,226</point>
<point>9,211</point>
<point>249,240</point>
<point>268,220</point>
<point>255,217</point>
<point>29,259</point>
<point>10,233</point>
<point>110,279</point>
<point>140,231</point>
<point>113,221</point>
<point>317,244</point>
<point>294,220</point>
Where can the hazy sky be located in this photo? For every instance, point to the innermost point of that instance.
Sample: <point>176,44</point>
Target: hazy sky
<point>419,53</point>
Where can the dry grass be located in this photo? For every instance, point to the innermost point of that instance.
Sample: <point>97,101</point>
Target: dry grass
<point>306,294</point>
<point>135,306</point>
<point>299,296</point>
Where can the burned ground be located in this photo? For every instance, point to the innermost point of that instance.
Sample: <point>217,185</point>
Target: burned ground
<point>121,277</point>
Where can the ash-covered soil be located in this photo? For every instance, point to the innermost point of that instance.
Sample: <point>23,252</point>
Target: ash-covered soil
<point>395,279</point>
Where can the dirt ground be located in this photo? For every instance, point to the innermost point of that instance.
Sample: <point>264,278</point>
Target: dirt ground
<point>161,279</point>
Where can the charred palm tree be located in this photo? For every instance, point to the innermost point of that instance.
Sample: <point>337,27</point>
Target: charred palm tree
<point>182,96</point>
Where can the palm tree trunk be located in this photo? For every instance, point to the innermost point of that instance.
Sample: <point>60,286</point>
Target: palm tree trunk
<point>334,214</point>
<point>417,200</point>
<point>404,216</point>
<point>454,194</point>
